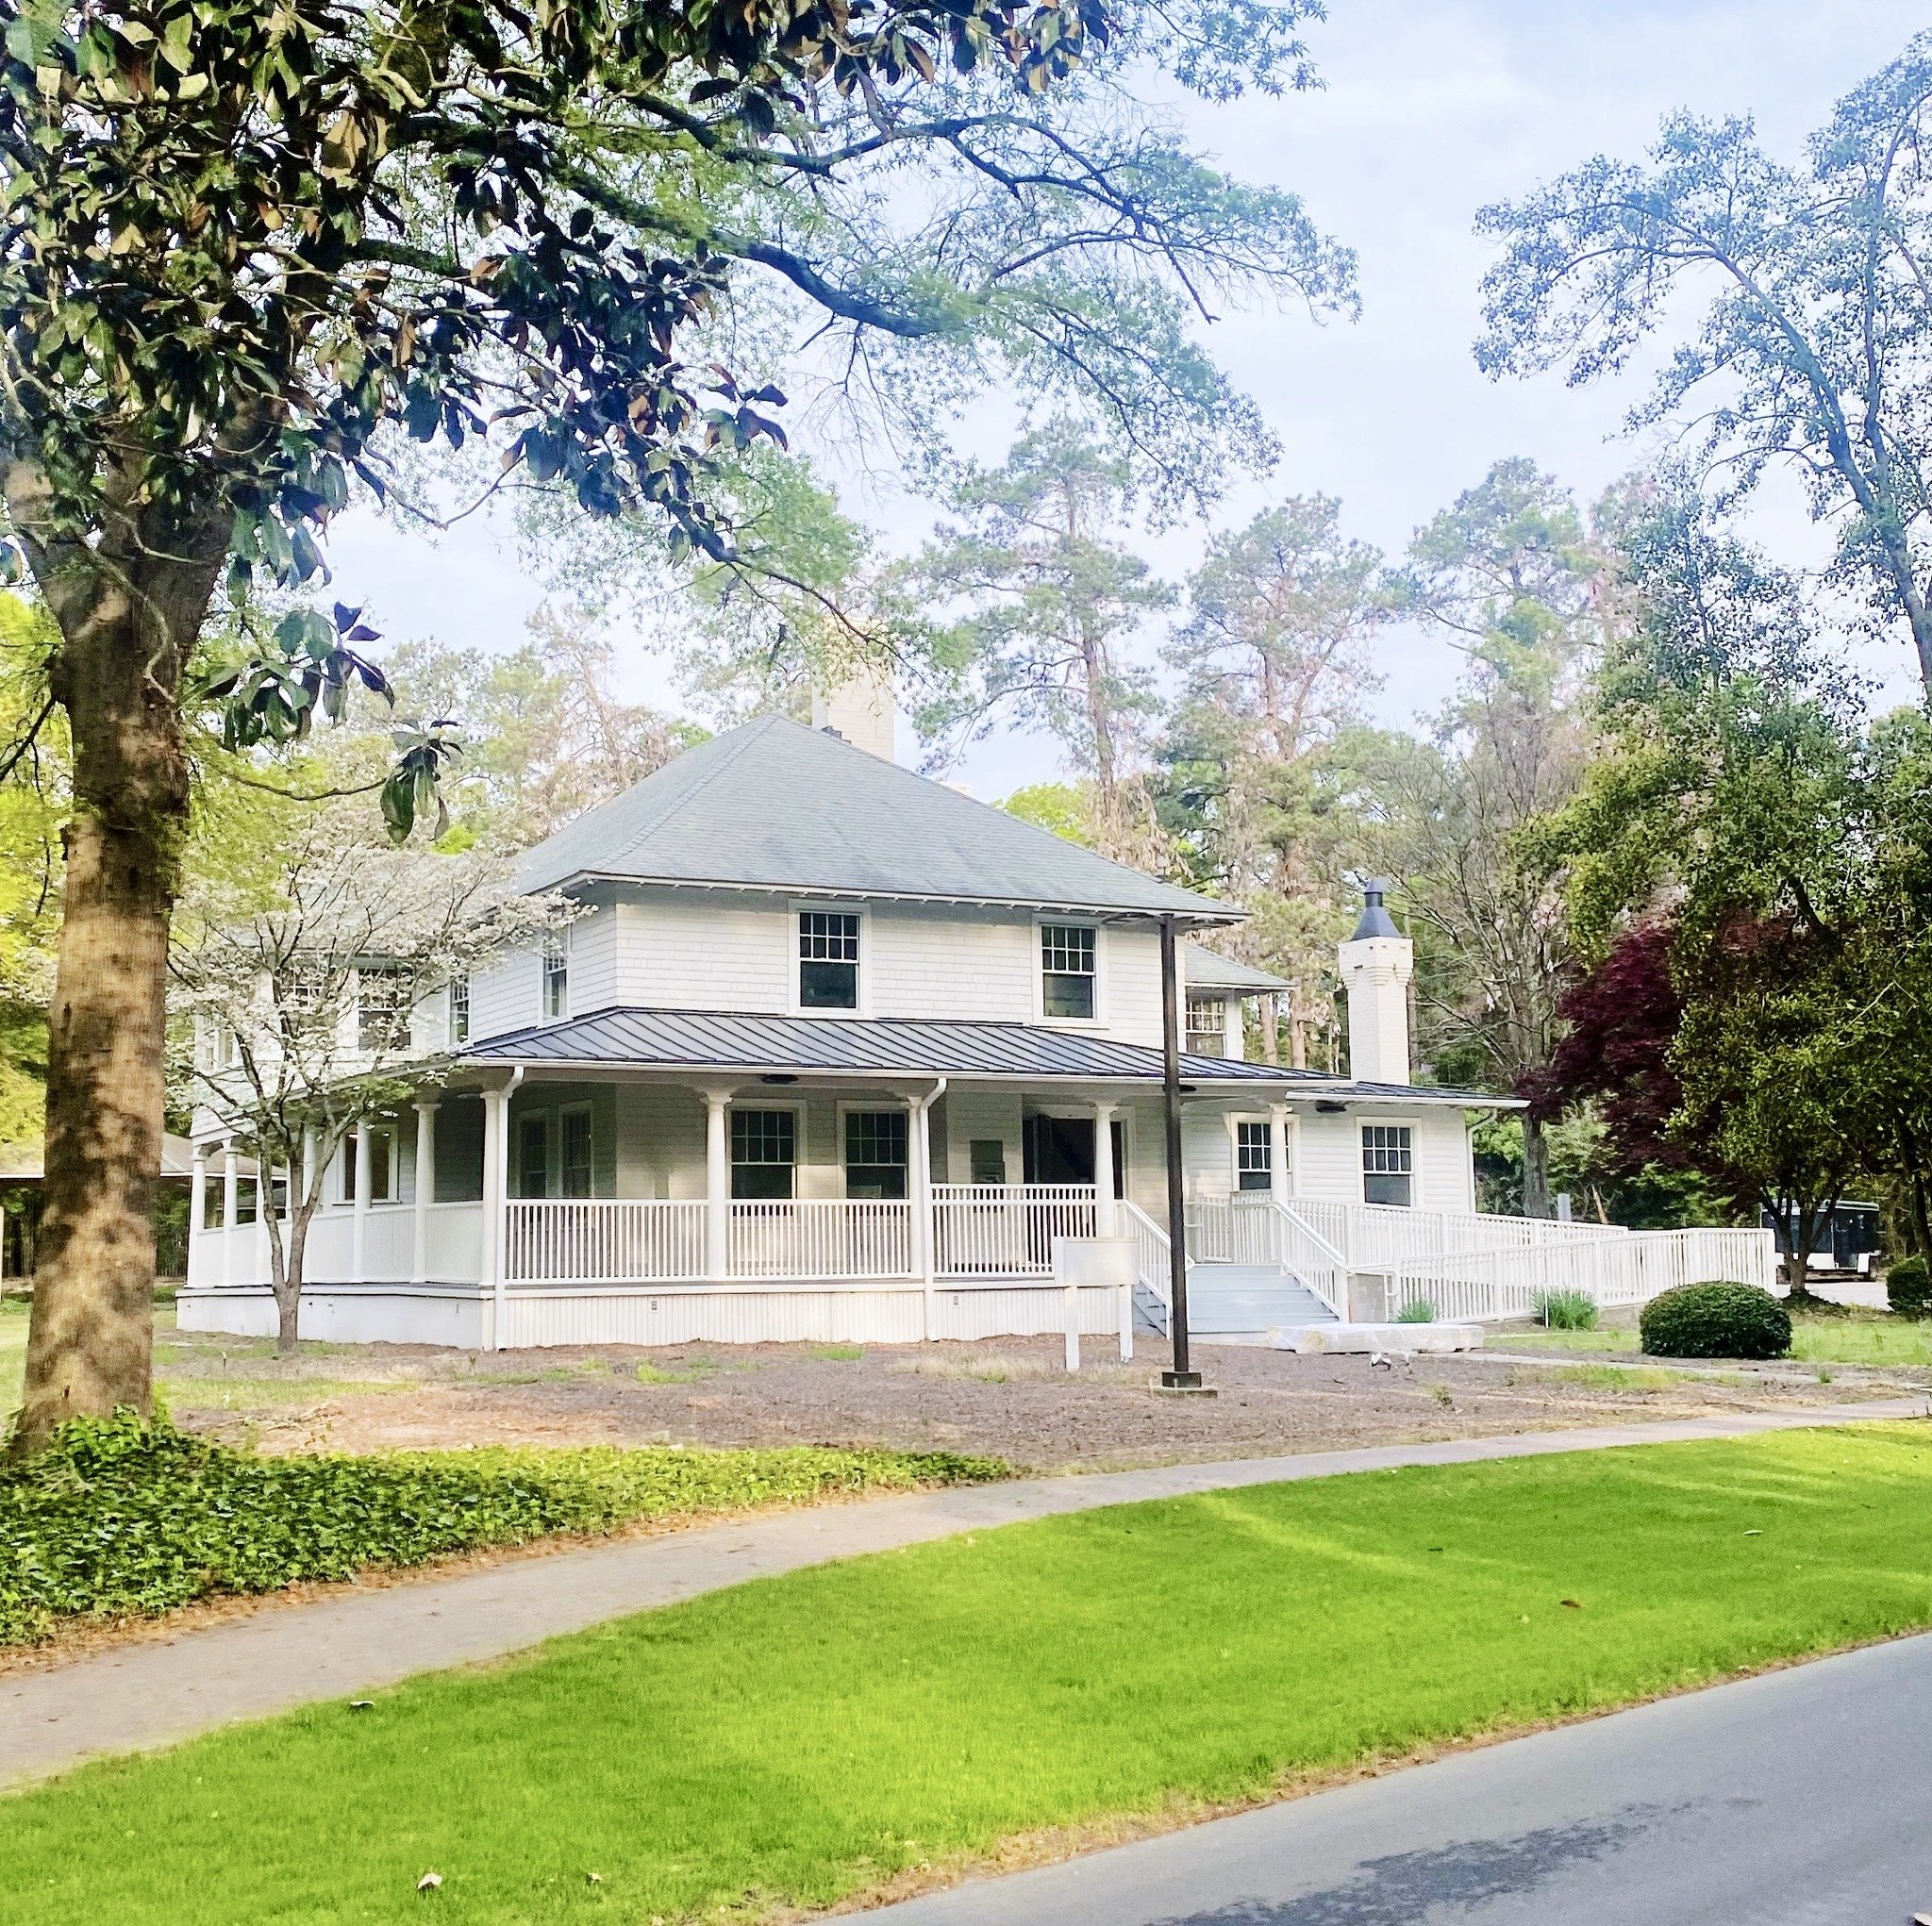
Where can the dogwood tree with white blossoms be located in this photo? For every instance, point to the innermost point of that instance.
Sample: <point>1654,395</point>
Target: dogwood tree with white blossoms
<point>304,1004</point>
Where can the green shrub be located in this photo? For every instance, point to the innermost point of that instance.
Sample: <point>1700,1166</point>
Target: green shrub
<point>119,1519</point>
<point>1564,1310</point>
<point>1716,1320</point>
<point>1909,1287</point>
<point>1417,1311</point>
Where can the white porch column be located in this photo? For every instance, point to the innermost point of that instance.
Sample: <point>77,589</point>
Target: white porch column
<point>359,1226</point>
<point>495,1206</point>
<point>717,1185</point>
<point>231,1193</point>
<point>1277,1152</point>
<point>197,1205</point>
<point>1103,1212</point>
<point>425,1187</point>
<point>925,1231</point>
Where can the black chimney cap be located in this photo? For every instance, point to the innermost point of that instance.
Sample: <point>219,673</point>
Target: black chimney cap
<point>1376,921</point>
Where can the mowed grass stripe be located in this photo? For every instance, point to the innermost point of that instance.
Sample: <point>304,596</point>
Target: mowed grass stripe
<point>796,1741</point>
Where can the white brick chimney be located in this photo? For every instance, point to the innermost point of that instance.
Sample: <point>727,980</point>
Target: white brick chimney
<point>860,710</point>
<point>1376,963</point>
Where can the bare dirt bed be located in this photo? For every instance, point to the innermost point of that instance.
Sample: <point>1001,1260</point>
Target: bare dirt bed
<point>1009,1397</point>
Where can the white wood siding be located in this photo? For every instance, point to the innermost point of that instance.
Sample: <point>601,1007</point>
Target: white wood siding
<point>702,953</point>
<point>978,970</point>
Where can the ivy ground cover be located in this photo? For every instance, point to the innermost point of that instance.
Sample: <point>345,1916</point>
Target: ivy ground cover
<point>797,1740</point>
<point>118,1520</point>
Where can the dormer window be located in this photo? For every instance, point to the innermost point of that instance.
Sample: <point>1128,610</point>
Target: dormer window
<point>827,960</point>
<point>1067,970</point>
<point>556,978</point>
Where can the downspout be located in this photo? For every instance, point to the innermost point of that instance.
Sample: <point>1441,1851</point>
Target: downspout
<point>928,1244</point>
<point>499,1205</point>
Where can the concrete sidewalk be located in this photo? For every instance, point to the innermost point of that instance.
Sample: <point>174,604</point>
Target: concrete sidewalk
<point>155,1692</point>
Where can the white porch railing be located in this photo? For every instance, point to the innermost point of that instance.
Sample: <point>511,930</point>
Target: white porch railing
<point>603,1241</point>
<point>1627,1270</point>
<point>850,1237</point>
<point>1005,1230</point>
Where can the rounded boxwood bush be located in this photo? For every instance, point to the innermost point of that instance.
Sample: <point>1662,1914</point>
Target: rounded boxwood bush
<point>1909,1287</point>
<point>1716,1320</point>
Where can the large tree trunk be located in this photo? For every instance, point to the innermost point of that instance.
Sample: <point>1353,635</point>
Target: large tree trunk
<point>126,631</point>
<point>1536,1169</point>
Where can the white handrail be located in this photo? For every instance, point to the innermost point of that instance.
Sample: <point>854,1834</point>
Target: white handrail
<point>1152,1258</point>
<point>1313,1259</point>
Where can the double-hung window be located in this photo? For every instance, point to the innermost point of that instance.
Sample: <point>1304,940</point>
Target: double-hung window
<point>1206,1034</point>
<point>557,977</point>
<point>382,1011</point>
<point>458,1010</point>
<point>1387,1164</point>
<point>764,1150</point>
<point>875,1153</point>
<point>1254,1156</point>
<point>827,960</point>
<point>1067,970</point>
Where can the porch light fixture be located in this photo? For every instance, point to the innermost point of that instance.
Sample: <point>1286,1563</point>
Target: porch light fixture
<point>1329,1107</point>
<point>777,1079</point>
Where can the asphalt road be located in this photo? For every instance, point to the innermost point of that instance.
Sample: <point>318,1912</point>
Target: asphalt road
<point>1798,1799</point>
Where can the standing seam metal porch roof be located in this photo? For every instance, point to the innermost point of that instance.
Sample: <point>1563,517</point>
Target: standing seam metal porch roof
<point>902,1046</point>
<point>780,806</point>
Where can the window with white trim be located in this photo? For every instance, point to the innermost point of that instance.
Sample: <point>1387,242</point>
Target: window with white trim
<point>875,1146</point>
<point>1254,1156</point>
<point>382,1010</point>
<point>764,1153</point>
<point>1067,970</point>
<point>458,1010</point>
<point>827,959</point>
<point>1206,1034</point>
<point>1387,1164</point>
<point>557,977</point>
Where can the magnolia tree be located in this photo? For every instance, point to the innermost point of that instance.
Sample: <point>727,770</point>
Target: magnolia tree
<point>306,1007</point>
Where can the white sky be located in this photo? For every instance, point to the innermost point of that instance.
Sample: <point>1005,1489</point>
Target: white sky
<point>1432,108</point>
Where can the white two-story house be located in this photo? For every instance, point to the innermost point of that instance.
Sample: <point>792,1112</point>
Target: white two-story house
<point>836,1053</point>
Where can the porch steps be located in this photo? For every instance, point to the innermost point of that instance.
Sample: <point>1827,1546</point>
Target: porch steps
<point>1231,1301</point>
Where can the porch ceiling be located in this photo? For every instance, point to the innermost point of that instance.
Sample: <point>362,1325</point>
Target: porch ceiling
<point>704,1041</point>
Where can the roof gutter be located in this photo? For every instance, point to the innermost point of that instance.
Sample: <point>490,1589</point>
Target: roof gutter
<point>1207,917</point>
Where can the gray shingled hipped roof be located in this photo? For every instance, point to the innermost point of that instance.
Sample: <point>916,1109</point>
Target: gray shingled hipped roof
<point>711,1040</point>
<point>1203,969</point>
<point>778,805</point>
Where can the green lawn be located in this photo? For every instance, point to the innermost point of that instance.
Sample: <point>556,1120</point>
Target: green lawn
<point>1875,1338</point>
<point>798,1739</point>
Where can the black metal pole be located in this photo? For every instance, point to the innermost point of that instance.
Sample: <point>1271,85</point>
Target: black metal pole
<point>1181,1378</point>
